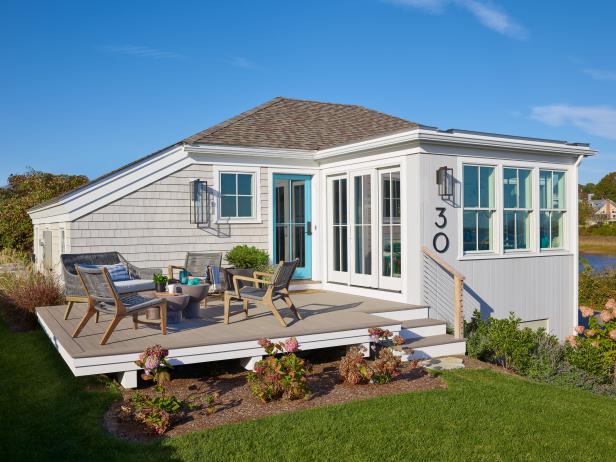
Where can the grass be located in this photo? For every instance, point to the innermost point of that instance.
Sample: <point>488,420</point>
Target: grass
<point>605,245</point>
<point>46,414</point>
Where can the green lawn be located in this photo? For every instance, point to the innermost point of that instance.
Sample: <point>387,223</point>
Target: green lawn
<point>46,414</point>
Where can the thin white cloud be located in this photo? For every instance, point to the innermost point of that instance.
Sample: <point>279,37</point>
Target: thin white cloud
<point>143,52</point>
<point>244,63</point>
<point>595,120</point>
<point>600,74</point>
<point>486,13</point>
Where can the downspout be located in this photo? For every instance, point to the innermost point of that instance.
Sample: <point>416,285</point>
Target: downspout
<point>576,250</point>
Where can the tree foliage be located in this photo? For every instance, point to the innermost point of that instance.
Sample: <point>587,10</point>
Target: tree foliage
<point>604,189</point>
<point>23,192</point>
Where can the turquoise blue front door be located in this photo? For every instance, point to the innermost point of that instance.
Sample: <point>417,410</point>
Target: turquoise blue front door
<point>292,222</point>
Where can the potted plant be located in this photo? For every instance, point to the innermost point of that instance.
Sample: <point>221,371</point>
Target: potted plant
<point>245,260</point>
<point>160,282</point>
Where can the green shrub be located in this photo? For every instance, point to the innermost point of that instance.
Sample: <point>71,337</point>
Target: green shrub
<point>590,359</point>
<point>244,256</point>
<point>596,288</point>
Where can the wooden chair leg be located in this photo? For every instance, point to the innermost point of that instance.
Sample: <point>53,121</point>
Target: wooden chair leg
<point>163,317</point>
<point>271,306</point>
<point>69,307</point>
<point>135,321</point>
<point>292,307</point>
<point>114,323</point>
<point>227,304</point>
<point>84,320</point>
<point>245,303</point>
<point>97,316</point>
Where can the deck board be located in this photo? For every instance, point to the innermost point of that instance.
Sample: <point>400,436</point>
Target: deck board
<point>322,312</point>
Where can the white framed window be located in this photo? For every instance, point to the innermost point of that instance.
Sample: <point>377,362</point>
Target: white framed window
<point>551,209</point>
<point>238,194</point>
<point>517,208</point>
<point>479,208</point>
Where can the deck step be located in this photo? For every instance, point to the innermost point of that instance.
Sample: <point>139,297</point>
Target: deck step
<point>433,347</point>
<point>423,327</point>
<point>404,313</point>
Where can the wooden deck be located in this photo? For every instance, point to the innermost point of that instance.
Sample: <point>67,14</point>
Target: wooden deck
<point>330,319</point>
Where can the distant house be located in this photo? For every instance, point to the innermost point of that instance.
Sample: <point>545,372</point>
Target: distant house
<point>604,210</point>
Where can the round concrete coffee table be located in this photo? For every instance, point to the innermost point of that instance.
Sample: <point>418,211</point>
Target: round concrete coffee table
<point>196,293</point>
<point>175,306</point>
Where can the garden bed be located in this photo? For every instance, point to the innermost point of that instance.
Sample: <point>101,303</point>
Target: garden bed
<point>235,402</point>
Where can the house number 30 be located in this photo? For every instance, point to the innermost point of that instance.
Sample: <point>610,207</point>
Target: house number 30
<point>440,242</point>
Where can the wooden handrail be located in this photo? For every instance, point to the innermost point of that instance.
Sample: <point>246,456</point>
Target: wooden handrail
<point>458,291</point>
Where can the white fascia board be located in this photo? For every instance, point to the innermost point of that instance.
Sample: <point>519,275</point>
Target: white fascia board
<point>423,135</point>
<point>117,186</point>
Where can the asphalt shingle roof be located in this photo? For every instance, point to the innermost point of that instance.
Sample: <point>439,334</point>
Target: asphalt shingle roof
<point>300,124</point>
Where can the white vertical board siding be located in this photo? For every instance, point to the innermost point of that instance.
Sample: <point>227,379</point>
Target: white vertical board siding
<point>534,287</point>
<point>151,227</point>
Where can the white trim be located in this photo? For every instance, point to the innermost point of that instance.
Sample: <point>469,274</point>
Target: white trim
<point>217,169</point>
<point>243,151</point>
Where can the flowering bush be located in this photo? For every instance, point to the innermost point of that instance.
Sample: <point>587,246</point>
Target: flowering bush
<point>154,363</point>
<point>593,349</point>
<point>353,367</point>
<point>282,374</point>
<point>385,367</point>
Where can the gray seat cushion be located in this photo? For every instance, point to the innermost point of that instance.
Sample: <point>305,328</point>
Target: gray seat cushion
<point>255,293</point>
<point>133,285</point>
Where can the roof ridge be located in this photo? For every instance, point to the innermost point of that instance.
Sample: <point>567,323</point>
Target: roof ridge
<point>233,120</point>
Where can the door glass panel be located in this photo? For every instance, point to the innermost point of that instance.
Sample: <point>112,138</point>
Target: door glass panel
<point>291,220</point>
<point>390,224</point>
<point>340,232</point>
<point>363,223</point>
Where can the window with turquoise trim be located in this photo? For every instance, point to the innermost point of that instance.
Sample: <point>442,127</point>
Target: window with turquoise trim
<point>552,209</point>
<point>479,208</point>
<point>517,205</point>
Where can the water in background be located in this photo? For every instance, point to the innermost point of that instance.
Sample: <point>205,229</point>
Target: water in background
<point>599,262</point>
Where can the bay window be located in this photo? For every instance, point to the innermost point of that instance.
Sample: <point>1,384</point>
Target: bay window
<point>517,207</point>
<point>552,209</point>
<point>479,208</point>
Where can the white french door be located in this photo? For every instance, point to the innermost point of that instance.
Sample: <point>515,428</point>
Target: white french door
<point>364,239</point>
<point>365,229</point>
<point>338,229</point>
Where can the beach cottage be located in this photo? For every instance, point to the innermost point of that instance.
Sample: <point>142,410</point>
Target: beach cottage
<point>372,205</point>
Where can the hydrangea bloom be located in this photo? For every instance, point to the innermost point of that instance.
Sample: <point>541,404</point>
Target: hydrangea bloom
<point>611,304</point>
<point>606,316</point>
<point>580,329</point>
<point>586,311</point>
<point>613,334</point>
<point>264,342</point>
<point>590,333</point>
<point>571,339</point>
<point>291,345</point>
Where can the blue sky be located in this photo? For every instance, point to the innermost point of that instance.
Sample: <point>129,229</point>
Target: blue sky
<point>86,87</point>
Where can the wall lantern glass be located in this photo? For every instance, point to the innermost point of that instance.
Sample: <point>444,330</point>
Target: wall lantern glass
<point>444,181</point>
<point>199,211</point>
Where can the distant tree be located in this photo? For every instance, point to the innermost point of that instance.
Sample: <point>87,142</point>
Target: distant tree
<point>585,213</point>
<point>606,188</point>
<point>23,192</point>
<point>588,188</point>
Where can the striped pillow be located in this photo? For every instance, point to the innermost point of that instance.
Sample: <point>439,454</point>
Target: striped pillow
<point>117,272</point>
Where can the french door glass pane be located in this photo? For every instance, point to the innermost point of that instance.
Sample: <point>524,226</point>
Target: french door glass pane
<point>471,186</point>
<point>290,220</point>
<point>470,230</point>
<point>340,231</point>
<point>390,228</point>
<point>362,206</point>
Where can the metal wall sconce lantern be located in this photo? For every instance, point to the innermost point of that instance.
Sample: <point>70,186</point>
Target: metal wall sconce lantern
<point>199,202</point>
<point>444,181</point>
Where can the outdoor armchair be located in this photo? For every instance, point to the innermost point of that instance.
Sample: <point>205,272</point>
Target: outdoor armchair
<point>276,287</point>
<point>139,278</point>
<point>104,298</point>
<point>199,265</point>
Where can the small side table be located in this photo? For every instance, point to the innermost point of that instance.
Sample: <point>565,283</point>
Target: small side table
<point>197,294</point>
<point>175,306</point>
